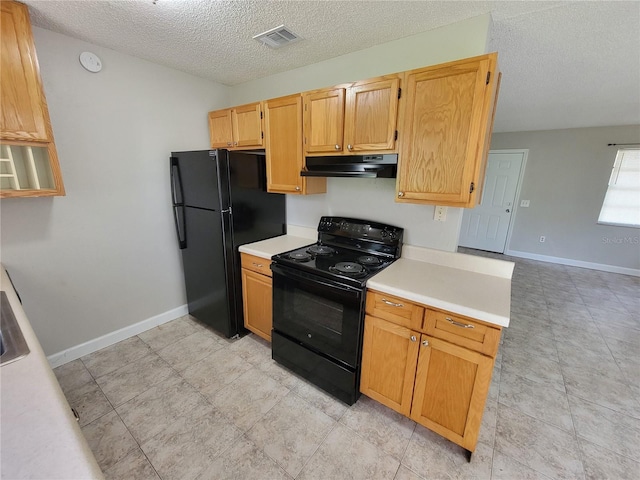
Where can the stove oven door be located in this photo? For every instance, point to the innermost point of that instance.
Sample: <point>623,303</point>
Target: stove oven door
<point>320,314</point>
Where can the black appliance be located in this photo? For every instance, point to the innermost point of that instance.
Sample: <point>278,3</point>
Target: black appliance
<point>352,166</point>
<point>220,201</point>
<point>319,301</point>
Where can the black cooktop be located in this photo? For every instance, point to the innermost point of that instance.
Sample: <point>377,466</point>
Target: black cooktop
<point>348,250</point>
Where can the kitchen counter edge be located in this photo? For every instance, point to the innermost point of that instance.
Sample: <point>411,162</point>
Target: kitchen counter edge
<point>40,435</point>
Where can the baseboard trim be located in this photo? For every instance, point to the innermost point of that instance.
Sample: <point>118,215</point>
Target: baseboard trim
<point>575,263</point>
<point>96,344</point>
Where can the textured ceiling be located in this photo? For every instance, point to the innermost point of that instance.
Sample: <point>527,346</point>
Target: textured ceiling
<point>565,64</point>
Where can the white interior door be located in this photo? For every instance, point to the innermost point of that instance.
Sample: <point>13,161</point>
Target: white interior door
<point>486,226</point>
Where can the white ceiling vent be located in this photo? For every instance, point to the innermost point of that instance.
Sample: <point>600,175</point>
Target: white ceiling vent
<point>277,37</point>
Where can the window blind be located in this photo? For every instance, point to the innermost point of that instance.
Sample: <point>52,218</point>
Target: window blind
<point>621,204</point>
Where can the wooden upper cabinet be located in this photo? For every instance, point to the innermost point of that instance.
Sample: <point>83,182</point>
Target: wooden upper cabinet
<point>28,158</point>
<point>220,129</point>
<point>324,121</point>
<point>236,128</point>
<point>356,118</point>
<point>24,110</point>
<point>247,125</point>
<point>283,142</point>
<point>371,115</point>
<point>446,127</point>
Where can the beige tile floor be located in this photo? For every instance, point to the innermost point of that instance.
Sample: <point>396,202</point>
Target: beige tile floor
<point>180,402</point>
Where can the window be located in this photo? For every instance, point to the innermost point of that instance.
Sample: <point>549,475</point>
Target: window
<point>621,204</point>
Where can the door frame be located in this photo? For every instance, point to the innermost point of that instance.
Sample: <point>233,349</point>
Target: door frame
<point>516,202</point>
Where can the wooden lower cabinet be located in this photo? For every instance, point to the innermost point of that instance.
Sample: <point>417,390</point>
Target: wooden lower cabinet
<point>451,386</point>
<point>389,355</point>
<point>257,296</point>
<point>441,385</point>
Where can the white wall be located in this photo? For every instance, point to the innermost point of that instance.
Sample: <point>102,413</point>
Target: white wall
<point>566,179</point>
<point>374,199</point>
<point>105,256</point>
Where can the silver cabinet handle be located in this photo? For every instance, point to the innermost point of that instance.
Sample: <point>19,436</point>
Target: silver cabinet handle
<point>235,144</point>
<point>458,324</point>
<point>228,144</point>
<point>258,264</point>
<point>350,147</point>
<point>401,194</point>
<point>425,343</point>
<point>337,147</point>
<point>384,300</point>
<point>297,189</point>
<point>413,338</point>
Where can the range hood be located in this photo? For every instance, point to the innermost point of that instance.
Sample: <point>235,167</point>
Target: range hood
<point>352,166</point>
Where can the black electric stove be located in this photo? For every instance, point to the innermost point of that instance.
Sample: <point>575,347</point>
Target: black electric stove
<point>319,301</point>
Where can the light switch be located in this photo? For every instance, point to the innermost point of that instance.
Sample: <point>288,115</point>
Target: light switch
<point>524,203</point>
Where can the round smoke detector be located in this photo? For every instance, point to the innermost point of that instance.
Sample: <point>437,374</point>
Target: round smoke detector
<point>91,62</point>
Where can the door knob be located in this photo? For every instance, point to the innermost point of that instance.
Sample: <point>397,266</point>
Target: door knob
<point>508,211</point>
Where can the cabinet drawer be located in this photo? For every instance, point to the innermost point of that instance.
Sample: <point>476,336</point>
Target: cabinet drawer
<point>256,264</point>
<point>394,309</point>
<point>462,331</point>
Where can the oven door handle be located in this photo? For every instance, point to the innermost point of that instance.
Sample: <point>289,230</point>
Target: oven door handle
<point>289,273</point>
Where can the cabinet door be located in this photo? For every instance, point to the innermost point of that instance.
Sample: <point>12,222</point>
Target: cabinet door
<point>283,131</point>
<point>389,356</point>
<point>247,125</point>
<point>24,115</point>
<point>220,129</point>
<point>257,303</point>
<point>371,115</point>
<point>450,390</point>
<point>444,131</point>
<point>324,121</point>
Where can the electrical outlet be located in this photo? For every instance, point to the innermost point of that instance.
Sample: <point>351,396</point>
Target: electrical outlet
<point>524,203</point>
<point>440,214</point>
<point>542,238</point>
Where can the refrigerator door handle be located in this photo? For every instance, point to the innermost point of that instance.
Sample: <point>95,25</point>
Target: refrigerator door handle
<point>176,182</point>
<point>178,204</point>
<point>181,225</point>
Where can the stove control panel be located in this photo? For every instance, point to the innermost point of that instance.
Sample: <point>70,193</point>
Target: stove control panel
<point>360,229</point>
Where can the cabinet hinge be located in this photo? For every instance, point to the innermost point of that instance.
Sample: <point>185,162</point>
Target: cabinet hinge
<point>396,135</point>
<point>488,77</point>
<point>260,115</point>
<point>261,134</point>
<point>399,93</point>
<point>472,187</point>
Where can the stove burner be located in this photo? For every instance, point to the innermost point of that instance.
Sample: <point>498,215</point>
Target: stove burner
<point>369,260</point>
<point>300,256</point>
<point>350,268</point>
<point>321,250</point>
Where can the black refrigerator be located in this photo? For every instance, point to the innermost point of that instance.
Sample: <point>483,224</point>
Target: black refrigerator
<point>220,202</point>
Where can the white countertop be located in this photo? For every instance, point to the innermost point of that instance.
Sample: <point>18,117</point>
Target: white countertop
<point>296,237</point>
<point>469,285</point>
<point>473,286</point>
<point>40,436</point>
